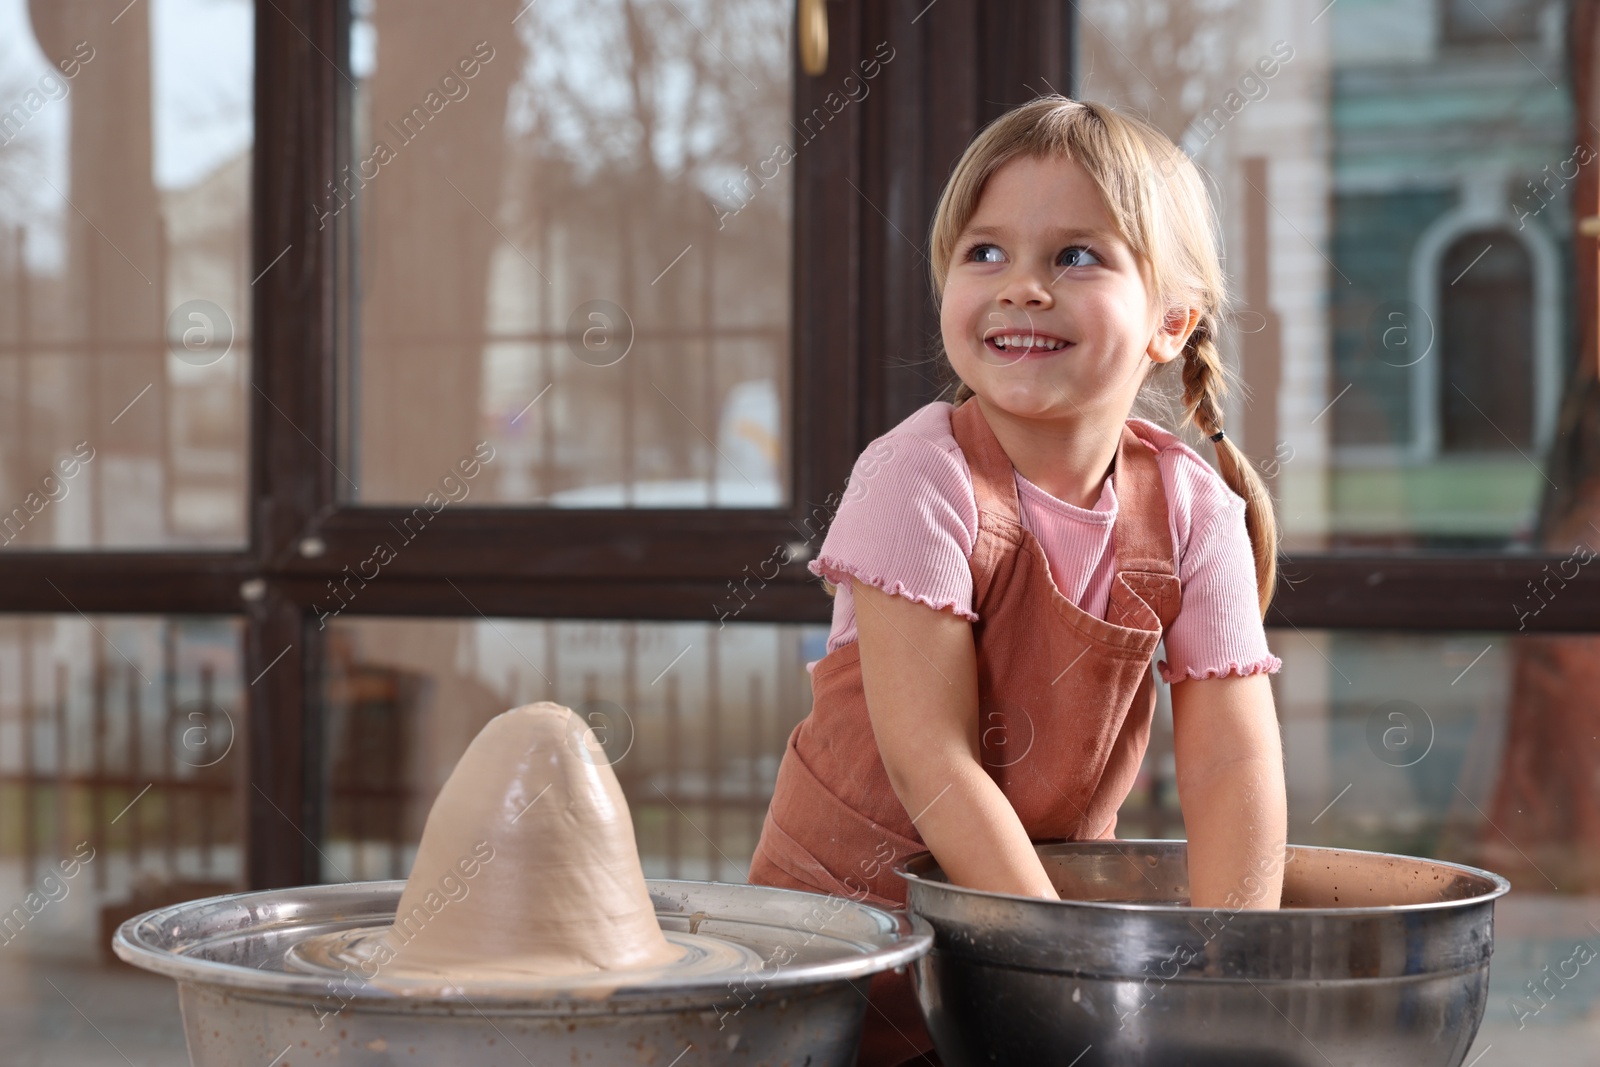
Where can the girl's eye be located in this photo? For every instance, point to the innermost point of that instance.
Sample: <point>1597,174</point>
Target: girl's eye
<point>1077,256</point>
<point>985,254</point>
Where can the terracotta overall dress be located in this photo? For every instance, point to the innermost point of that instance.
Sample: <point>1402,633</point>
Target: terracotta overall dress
<point>1064,701</point>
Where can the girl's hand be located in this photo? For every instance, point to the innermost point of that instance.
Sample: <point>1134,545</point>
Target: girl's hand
<point>1230,783</point>
<point>920,672</point>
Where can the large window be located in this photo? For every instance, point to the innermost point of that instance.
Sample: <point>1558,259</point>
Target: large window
<point>435,358</point>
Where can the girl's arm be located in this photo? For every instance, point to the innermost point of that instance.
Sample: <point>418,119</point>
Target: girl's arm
<point>920,673</point>
<point>1230,784</point>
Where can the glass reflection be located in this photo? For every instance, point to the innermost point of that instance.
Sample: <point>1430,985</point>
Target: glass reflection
<point>121,768</point>
<point>694,719</point>
<point>124,288</point>
<point>573,243</point>
<point>1394,182</point>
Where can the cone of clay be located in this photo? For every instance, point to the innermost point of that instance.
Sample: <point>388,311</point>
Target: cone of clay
<point>528,865</point>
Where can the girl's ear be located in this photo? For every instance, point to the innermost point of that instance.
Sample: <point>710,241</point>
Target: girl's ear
<point>1167,343</point>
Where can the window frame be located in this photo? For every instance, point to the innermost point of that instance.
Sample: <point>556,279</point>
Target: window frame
<point>860,288</point>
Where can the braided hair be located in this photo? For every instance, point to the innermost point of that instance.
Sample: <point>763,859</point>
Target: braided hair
<point>1204,386</point>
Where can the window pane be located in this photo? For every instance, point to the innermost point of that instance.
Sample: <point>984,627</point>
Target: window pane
<point>572,242</point>
<point>121,771</point>
<point>1394,182</point>
<point>124,287</point>
<point>694,717</point>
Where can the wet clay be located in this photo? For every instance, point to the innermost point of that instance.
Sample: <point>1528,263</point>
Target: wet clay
<point>528,865</point>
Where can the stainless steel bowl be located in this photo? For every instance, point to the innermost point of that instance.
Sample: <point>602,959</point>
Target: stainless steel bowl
<point>803,1004</point>
<point>1375,960</point>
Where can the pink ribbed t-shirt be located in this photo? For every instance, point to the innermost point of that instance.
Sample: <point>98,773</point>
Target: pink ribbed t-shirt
<point>908,522</point>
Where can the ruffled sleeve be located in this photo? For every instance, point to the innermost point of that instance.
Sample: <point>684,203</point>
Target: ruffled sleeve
<point>906,525</point>
<point>1218,630</point>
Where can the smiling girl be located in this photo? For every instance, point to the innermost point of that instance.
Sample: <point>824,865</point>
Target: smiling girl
<point>1006,565</point>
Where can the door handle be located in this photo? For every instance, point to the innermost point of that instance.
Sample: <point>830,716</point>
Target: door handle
<point>813,36</point>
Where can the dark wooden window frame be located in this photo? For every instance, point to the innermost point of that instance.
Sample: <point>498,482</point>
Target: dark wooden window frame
<point>860,290</point>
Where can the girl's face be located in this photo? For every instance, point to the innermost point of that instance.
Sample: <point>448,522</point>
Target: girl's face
<point>1046,312</point>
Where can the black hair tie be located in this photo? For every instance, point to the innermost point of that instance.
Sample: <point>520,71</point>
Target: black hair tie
<point>1217,436</point>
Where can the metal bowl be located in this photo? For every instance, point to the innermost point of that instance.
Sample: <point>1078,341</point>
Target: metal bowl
<point>803,1003</point>
<point>1375,960</point>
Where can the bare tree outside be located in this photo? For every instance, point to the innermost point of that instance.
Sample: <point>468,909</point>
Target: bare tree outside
<point>621,159</point>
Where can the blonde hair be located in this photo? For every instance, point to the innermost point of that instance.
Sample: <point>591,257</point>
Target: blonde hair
<point>1159,204</point>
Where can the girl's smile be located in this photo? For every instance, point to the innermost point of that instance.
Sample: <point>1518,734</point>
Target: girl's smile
<point>1024,343</point>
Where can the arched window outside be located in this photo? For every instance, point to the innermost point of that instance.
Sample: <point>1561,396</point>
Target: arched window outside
<point>1486,344</point>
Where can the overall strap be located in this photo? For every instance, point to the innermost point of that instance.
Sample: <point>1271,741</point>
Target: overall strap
<point>994,479</point>
<point>1143,534</point>
<point>1146,594</point>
